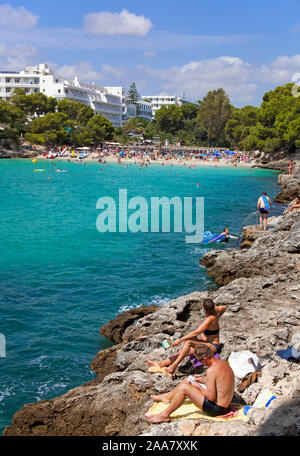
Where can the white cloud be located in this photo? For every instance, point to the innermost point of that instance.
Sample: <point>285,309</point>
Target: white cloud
<point>150,54</point>
<point>13,63</point>
<point>18,50</point>
<point>240,79</point>
<point>281,69</point>
<point>115,72</point>
<point>17,57</point>
<point>123,23</point>
<point>155,41</point>
<point>16,18</point>
<point>85,71</point>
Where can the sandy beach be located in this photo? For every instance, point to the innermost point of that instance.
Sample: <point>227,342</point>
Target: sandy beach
<point>189,163</point>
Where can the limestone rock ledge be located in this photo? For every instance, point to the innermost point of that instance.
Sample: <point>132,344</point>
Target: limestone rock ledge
<point>261,287</point>
<point>263,316</point>
<point>290,185</point>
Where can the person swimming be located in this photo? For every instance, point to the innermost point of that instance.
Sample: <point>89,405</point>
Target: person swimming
<point>224,236</point>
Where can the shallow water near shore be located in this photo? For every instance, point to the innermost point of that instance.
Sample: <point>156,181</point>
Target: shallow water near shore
<point>61,280</point>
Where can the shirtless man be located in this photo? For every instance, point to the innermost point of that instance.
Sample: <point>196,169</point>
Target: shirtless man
<point>263,206</point>
<point>208,333</point>
<point>214,399</point>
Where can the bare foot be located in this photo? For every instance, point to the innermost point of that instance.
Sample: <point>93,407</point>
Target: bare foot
<point>170,370</point>
<point>153,363</point>
<point>160,398</point>
<point>159,418</point>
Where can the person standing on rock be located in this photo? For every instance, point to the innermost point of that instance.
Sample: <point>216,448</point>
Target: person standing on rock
<point>214,399</point>
<point>263,206</point>
<point>209,334</point>
<point>290,167</point>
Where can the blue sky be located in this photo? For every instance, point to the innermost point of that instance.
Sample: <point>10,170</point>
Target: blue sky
<point>166,47</point>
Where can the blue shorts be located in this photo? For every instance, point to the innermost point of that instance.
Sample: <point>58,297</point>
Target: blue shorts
<point>262,210</point>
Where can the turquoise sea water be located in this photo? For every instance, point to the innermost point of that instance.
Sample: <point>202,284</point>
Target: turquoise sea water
<point>61,280</point>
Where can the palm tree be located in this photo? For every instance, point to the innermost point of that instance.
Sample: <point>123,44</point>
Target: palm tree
<point>133,124</point>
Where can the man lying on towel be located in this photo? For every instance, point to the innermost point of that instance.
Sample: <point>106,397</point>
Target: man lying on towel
<point>214,400</point>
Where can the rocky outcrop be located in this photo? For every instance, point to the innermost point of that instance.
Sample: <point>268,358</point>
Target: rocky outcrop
<point>115,328</point>
<point>23,149</point>
<point>271,254</point>
<point>260,286</point>
<point>116,405</point>
<point>290,185</point>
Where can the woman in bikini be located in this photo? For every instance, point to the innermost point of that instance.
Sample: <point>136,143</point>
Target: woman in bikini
<point>208,333</point>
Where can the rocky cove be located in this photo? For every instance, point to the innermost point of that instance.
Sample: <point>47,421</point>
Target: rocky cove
<point>259,284</point>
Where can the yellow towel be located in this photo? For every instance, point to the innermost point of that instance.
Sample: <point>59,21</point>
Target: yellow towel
<point>156,370</point>
<point>188,410</point>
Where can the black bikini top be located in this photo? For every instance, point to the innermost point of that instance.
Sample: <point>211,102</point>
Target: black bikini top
<point>209,332</point>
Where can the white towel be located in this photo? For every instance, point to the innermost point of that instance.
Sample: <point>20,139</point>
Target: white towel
<point>243,362</point>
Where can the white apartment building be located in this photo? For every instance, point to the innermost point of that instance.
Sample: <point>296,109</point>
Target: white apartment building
<point>144,109</point>
<point>157,101</point>
<point>41,79</point>
<point>120,92</point>
<point>141,109</point>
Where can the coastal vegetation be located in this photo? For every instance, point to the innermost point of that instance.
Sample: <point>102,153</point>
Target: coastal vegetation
<point>273,126</point>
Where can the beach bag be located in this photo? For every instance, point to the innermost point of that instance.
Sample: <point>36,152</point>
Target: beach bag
<point>243,362</point>
<point>266,203</point>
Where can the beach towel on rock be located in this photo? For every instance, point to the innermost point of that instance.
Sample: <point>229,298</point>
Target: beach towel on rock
<point>243,362</point>
<point>262,401</point>
<point>188,410</point>
<point>158,370</point>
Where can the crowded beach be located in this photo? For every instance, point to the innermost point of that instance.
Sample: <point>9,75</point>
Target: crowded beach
<point>115,152</point>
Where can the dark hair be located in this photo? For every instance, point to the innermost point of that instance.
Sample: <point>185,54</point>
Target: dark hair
<point>203,351</point>
<point>209,306</point>
<point>264,193</point>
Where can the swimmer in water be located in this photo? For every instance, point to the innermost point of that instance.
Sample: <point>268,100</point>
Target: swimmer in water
<point>225,236</point>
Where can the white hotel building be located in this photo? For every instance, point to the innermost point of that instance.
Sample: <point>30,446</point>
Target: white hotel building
<point>141,109</point>
<point>157,101</point>
<point>41,79</point>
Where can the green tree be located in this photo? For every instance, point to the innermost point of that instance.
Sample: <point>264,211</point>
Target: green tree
<point>99,129</point>
<point>79,112</point>
<point>149,131</point>
<point>35,104</point>
<point>134,123</point>
<point>214,112</point>
<point>189,111</point>
<point>169,119</point>
<point>132,94</point>
<point>50,128</point>
<point>238,127</point>
<point>200,135</point>
<point>13,120</point>
<point>277,126</point>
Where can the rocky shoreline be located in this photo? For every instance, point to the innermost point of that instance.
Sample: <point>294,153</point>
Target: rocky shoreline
<point>260,284</point>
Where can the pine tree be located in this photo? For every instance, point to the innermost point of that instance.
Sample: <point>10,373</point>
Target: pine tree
<point>133,94</point>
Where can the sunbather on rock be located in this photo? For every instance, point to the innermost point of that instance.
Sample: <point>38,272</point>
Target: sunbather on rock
<point>208,333</point>
<point>214,399</point>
